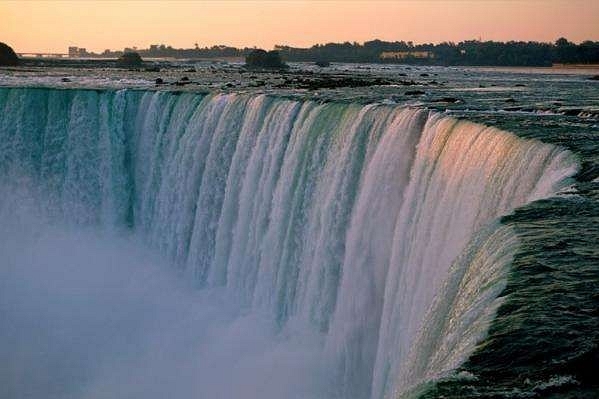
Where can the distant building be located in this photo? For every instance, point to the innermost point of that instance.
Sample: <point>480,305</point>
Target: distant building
<point>402,55</point>
<point>75,52</point>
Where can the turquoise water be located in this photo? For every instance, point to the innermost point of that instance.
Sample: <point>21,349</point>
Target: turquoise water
<point>382,250</point>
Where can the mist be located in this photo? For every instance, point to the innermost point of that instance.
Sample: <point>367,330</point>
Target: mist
<point>90,313</point>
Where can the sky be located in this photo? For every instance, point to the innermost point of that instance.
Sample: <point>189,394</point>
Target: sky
<point>52,26</point>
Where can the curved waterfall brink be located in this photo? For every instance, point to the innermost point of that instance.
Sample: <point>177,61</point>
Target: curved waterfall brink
<point>373,226</point>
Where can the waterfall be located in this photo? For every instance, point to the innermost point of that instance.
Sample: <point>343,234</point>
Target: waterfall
<point>374,226</point>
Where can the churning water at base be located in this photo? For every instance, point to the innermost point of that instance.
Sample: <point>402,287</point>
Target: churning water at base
<point>342,250</point>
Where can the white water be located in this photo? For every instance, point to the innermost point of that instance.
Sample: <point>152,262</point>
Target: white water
<point>360,241</point>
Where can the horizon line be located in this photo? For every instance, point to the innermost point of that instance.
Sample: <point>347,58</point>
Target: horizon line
<point>274,47</point>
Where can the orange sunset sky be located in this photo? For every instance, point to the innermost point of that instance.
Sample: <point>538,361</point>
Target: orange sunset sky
<point>52,26</point>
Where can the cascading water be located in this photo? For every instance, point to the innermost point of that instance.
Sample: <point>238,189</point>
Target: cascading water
<point>373,227</point>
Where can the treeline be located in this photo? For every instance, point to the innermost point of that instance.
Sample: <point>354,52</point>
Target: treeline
<point>197,52</point>
<point>163,51</point>
<point>471,52</point>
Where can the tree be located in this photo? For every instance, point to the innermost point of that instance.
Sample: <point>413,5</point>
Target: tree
<point>264,59</point>
<point>8,57</point>
<point>129,60</point>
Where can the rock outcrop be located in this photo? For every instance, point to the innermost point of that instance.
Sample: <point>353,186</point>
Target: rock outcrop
<point>8,57</point>
<point>261,59</point>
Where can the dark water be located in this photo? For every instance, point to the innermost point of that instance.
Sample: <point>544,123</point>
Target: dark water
<point>544,342</point>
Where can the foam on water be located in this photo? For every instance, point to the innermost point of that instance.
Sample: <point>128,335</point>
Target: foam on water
<point>361,241</point>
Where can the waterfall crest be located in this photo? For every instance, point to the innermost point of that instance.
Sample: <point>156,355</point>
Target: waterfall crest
<point>374,226</point>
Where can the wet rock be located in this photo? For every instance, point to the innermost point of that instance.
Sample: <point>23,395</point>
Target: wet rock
<point>570,111</point>
<point>450,100</point>
<point>510,100</point>
<point>414,93</point>
<point>424,75</point>
<point>159,81</point>
<point>153,68</point>
<point>322,64</point>
<point>596,77</point>
<point>66,80</point>
<point>407,83</point>
<point>333,82</point>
